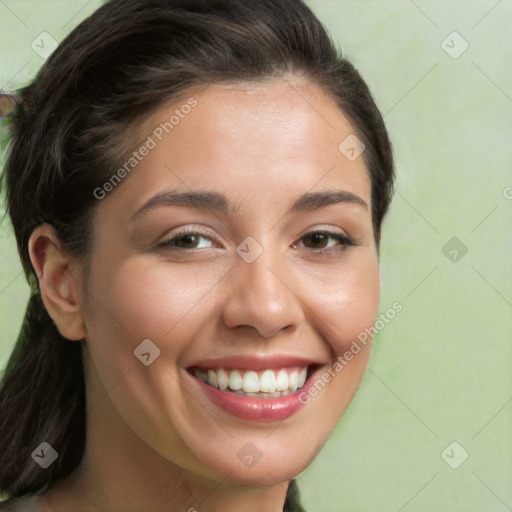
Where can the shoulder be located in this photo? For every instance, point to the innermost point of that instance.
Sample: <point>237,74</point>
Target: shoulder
<point>22,504</point>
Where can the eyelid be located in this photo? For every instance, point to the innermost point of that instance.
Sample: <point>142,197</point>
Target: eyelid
<point>342,237</point>
<point>185,230</point>
<point>325,228</point>
<point>345,240</point>
<point>194,228</point>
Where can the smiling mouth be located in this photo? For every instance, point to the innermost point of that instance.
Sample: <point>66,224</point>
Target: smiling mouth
<point>270,383</point>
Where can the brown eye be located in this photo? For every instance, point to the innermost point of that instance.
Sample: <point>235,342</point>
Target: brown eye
<point>189,239</point>
<point>184,240</point>
<point>319,239</point>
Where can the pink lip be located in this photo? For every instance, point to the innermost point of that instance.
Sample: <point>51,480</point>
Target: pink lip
<point>253,362</point>
<point>255,409</point>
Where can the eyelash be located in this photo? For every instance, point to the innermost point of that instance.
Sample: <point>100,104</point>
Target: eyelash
<point>340,237</point>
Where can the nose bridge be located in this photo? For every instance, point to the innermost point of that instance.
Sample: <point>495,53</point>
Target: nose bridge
<point>260,295</point>
<point>261,277</point>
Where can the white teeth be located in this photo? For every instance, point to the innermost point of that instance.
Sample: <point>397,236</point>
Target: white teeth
<point>222,379</point>
<point>294,381</point>
<point>282,380</point>
<point>264,384</point>
<point>235,380</point>
<point>268,382</point>
<point>251,383</point>
<point>212,378</point>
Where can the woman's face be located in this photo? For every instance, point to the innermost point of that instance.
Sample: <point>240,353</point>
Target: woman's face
<point>248,290</point>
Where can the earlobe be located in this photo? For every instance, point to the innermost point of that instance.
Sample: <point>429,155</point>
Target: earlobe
<point>60,288</point>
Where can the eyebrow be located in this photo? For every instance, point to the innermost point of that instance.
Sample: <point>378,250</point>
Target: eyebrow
<point>218,202</point>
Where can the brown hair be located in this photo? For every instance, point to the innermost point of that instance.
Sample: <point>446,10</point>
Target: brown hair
<point>124,61</point>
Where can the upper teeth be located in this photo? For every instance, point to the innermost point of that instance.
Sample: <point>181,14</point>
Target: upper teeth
<point>249,381</point>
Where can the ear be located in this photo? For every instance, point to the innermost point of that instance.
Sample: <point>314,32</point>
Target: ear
<point>60,286</point>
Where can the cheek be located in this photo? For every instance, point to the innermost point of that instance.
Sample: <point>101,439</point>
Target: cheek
<point>129,303</point>
<point>165,304</point>
<point>135,300</point>
<point>346,301</point>
<point>345,304</point>
<point>141,300</point>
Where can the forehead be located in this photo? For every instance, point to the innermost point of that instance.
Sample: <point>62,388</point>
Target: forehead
<point>258,141</point>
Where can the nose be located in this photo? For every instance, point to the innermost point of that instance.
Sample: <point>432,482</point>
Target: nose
<point>263,295</point>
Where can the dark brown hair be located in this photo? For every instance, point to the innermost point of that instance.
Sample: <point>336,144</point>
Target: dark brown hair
<point>123,62</point>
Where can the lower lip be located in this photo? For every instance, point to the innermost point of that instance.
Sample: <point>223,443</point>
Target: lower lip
<point>255,409</point>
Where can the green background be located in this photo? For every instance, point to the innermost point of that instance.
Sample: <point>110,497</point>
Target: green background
<point>440,371</point>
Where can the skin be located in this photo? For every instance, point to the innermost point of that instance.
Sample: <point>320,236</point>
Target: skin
<point>153,442</point>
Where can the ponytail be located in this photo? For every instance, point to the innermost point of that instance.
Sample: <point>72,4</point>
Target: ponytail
<point>42,399</point>
<point>292,503</point>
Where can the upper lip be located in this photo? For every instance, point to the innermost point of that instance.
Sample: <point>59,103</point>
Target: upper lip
<point>254,362</point>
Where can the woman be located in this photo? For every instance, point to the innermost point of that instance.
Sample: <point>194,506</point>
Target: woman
<point>197,191</point>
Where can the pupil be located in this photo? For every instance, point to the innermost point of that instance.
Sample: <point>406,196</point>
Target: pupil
<point>188,238</point>
<point>317,237</point>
